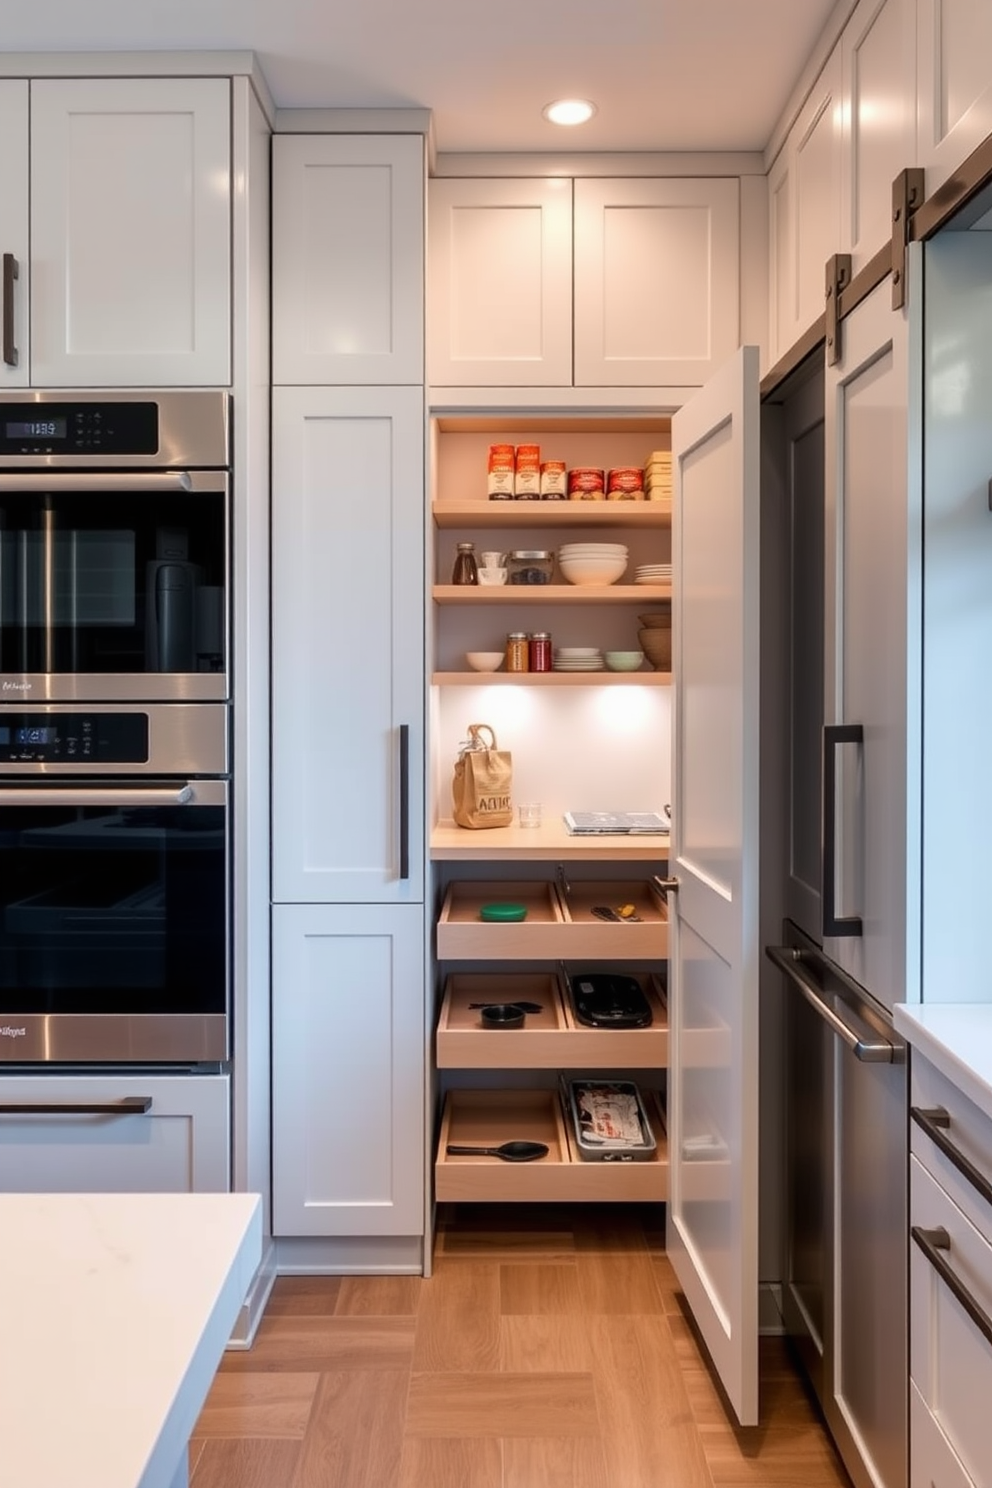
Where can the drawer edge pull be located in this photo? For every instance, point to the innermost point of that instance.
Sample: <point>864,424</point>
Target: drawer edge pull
<point>129,1105</point>
<point>932,1243</point>
<point>933,1123</point>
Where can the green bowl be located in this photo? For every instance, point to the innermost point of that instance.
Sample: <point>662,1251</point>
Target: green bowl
<point>503,913</point>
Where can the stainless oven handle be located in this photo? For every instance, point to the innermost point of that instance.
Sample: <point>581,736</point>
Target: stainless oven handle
<point>789,961</point>
<point>178,795</point>
<point>135,482</point>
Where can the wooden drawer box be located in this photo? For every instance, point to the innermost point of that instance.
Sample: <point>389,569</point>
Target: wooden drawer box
<point>551,1039</point>
<point>485,1118</point>
<point>557,927</point>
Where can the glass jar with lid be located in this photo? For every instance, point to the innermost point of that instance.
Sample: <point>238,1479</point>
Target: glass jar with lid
<point>530,566</point>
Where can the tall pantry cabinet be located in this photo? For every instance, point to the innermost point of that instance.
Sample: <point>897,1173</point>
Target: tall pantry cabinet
<point>347,700</point>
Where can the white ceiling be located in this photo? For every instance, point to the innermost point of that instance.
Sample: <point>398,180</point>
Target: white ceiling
<point>667,75</point>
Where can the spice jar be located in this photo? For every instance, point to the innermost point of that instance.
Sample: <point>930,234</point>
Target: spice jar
<point>517,651</point>
<point>540,651</point>
<point>466,570</point>
<point>530,566</point>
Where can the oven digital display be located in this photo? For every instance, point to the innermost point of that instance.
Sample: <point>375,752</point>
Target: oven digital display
<point>53,428</point>
<point>35,735</point>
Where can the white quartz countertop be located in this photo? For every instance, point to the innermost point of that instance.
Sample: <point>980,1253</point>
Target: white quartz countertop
<point>115,1311</point>
<point>956,1037</point>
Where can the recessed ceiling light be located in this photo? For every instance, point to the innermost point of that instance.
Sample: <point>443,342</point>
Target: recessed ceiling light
<point>569,111</point>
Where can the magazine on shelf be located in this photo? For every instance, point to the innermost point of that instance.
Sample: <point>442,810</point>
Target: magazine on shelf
<point>607,823</point>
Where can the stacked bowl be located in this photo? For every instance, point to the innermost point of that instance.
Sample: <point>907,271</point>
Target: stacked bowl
<point>592,563</point>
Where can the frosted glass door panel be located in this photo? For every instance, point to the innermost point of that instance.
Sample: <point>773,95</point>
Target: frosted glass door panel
<point>500,285</point>
<point>14,218</point>
<point>348,642</point>
<point>657,276</point>
<point>712,1221</point>
<point>130,232</point>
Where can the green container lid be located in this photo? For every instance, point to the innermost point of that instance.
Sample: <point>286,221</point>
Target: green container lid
<point>503,913</point>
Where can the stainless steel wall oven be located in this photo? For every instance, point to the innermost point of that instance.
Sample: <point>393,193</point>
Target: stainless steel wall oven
<point>115,835</point>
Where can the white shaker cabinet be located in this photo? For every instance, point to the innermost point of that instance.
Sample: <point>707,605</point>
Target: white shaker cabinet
<point>348,259</point>
<point>954,109</point>
<point>500,283</point>
<point>348,645</point>
<point>14,232</point>
<point>348,1043</point>
<point>657,281</point>
<point>130,240</point>
<point>115,1133</point>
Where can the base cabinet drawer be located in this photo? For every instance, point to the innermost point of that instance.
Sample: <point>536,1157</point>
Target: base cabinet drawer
<point>933,1461</point>
<point>115,1133</point>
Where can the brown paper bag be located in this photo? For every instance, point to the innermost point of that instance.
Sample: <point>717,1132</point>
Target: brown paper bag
<point>483,781</point>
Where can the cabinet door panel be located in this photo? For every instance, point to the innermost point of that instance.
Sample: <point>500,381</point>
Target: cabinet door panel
<point>14,218</point>
<point>500,293</point>
<point>348,642</point>
<point>348,1059</point>
<point>955,91</point>
<point>348,259</point>
<point>181,1144</point>
<point>657,276</point>
<point>130,232</point>
<point>816,143</point>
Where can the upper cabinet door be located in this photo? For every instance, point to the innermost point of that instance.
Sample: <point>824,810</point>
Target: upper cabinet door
<point>955,90</point>
<point>500,287</point>
<point>130,232</point>
<point>712,1221</point>
<point>14,232</point>
<point>814,147</point>
<point>657,281</point>
<point>348,259</point>
<point>878,51</point>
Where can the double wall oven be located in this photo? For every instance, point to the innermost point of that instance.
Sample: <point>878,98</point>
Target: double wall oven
<point>115,540</point>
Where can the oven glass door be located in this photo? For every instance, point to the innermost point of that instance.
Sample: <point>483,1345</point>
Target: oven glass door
<point>113,910</point>
<point>113,585</point>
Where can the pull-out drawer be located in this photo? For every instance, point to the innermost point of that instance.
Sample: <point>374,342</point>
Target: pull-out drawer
<point>951,1322</point>
<point>552,1038</point>
<point>558,926</point>
<point>952,1138</point>
<point>933,1461</point>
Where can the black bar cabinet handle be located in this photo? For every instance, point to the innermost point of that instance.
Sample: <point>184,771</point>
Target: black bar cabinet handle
<point>129,1105</point>
<point>932,1242</point>
<point>10,273</point>
<point>932,1123</point>
<point>404,800</point>
<point>835,734</point>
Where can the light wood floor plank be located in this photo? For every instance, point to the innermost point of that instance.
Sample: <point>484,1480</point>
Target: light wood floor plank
<point>532,1290</point>
<point>553,1462</point>
<point>501,1405</point>
<point>624,1282</point>
<point>379,1296</point>
<point>257,1405</point>
<point>319,1343</point>
<point>771,1457</point>
<point>451,1462</point>
<point>355,1438</point>
<point>458,1318</point>
<point>246,1464</point>
<point>554,1344</point>
<point>303,1295</point>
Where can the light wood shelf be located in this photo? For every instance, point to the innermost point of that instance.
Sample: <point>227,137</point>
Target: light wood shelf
<point>485,1118</point>
<point>551,594</point>
<point>552,679</point>
<point>556,928</point>
<point>550,842</point>
<point>550,1039</point>
<point>633,515</point>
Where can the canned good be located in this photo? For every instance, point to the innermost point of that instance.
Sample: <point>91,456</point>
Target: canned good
<point>518,651</point>
<point>624,480</point>
<point>540,651</point>
<point>585,483</point>
<point>553,480</point>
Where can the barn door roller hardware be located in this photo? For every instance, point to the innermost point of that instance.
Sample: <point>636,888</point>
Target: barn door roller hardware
<point>838,277</point>
<point>907,194</point>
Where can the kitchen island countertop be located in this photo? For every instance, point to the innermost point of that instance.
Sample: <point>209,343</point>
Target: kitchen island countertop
<point>956,1037</point>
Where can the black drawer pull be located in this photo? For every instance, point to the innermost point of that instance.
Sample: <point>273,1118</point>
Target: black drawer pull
<point>932,1242</point>
<point>933,1122</point>
<point>129,1105</point>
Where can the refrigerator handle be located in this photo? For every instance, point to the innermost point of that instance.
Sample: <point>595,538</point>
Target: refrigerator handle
<point>790,961</point>
<point>835,734</point>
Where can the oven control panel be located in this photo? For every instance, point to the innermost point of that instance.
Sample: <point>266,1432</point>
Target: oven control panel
<point>69,738</point>
<point>79,428</point>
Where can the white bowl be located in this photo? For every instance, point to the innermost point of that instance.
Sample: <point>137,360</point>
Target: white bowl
<point>623,661</point>
<point>484,661</point>
<point>592,570</point>
<point>491,577</point>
